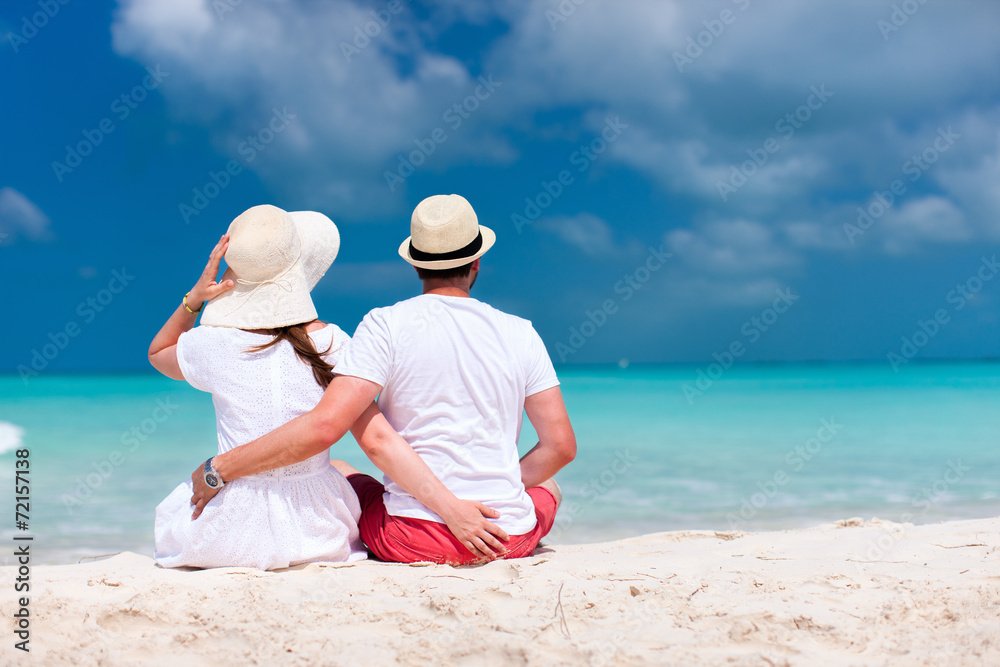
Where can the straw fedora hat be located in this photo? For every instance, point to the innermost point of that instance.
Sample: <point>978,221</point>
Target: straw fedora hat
<point>445,233</point>
<point>267,261</point>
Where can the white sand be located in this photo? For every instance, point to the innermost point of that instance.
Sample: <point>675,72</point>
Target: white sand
<point>854,593</point>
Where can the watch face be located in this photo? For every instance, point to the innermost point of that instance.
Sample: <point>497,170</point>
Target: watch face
<point>211,480</point>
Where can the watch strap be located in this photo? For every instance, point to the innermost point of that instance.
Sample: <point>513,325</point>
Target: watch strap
<point>210,470</point>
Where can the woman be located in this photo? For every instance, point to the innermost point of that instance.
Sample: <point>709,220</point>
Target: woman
<point>266,359</point>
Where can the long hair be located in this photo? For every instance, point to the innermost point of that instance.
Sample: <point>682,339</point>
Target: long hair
<point>304,349</point>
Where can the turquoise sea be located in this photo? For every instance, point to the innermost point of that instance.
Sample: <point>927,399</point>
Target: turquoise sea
<point>763,447</point>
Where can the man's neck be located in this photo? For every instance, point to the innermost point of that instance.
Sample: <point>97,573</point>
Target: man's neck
<point>447,291</point>
<point>447,288</point>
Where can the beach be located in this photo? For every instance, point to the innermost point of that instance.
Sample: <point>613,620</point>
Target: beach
<point>852,592</point>
<point>704,533</point>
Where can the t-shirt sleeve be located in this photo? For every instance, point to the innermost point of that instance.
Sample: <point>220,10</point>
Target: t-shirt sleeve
<point>539,374</point>
<point>194,363</point>
<point>339,342</point>
<point>369,354</point>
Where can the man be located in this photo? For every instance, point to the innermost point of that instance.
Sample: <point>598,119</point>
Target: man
<point>453,377</point>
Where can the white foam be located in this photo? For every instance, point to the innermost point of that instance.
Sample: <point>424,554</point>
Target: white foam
<point>10,436</point>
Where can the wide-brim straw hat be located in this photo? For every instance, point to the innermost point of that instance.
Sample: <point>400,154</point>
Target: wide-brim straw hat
<point>320,243</point>
<point>320,240</point>
<point>445,234</point>
<point>267,262</point>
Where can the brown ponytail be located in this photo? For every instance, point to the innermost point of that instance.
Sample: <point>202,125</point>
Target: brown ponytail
<point>304,349</point>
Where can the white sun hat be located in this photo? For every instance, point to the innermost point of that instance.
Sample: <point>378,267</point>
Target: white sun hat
<point>266,259</point>
<point>320,243</point>
<point>445,233</point>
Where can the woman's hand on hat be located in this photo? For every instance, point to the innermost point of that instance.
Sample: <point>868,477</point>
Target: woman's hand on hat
<point>207,288</point>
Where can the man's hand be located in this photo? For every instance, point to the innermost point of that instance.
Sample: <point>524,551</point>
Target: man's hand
<point>202,491</point>
<point>466,519</point>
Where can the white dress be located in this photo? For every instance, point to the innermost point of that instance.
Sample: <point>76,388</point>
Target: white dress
<point>303,513</point>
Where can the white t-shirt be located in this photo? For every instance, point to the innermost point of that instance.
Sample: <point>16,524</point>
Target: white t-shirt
<point>253,393</point>
<point>454,373</point>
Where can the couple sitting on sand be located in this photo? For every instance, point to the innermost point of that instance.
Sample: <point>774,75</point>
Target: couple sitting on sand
<point>452,377</point>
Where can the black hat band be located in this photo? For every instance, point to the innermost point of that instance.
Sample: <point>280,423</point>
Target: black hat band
<point>462,253</point>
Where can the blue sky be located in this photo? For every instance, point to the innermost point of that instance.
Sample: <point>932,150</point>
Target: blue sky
<point>825,177</point>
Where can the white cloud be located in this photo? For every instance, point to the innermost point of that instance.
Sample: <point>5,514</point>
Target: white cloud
<point>717,173</point>
<point>815,235</point>
<point>703,291</point>
<point>622,54</point>
<point>686,130</point>
<point>728,263</point>
<point>166,26</point>
<point>690,127</point>
<point>589,234</point>
<point>352,118</point>
<point>977,186</point>
<point>20,217</point>
<point>929,220</point>
<point>731,247</point>
<point>604,53</point>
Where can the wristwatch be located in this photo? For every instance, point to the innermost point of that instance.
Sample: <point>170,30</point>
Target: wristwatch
<point>212,477</point>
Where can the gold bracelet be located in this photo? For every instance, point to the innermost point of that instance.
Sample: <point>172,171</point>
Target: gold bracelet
<point>188,308</point>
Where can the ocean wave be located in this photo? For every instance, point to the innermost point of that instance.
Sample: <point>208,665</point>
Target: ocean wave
<point>10,436</point>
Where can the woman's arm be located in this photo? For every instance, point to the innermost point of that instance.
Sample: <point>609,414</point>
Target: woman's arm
<point>163,349</point>
<point>348,404</point>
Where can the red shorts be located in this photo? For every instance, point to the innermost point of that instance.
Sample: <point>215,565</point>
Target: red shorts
<point>401,539</point>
